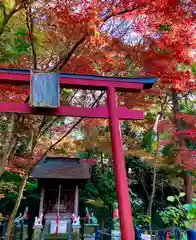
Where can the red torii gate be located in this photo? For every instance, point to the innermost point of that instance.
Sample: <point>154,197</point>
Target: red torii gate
<point>112,111</point>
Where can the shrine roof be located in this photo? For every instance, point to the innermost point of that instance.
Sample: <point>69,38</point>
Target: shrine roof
<point>61,168</point>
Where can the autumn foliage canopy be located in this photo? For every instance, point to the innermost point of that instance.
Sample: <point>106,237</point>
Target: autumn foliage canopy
<point>111,38</point>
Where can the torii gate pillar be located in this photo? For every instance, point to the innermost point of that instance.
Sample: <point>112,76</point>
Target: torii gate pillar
<point>125,212</point>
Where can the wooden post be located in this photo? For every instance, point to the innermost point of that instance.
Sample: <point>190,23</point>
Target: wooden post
<point>76,201</point>
<point>41,205</point>
<point>22,230</point>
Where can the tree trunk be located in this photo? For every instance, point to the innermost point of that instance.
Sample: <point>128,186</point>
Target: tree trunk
<point>150,202</point>
<point>188,188</point>
<point>149,209</point>
<point>9,144</point>
<point>8,149</point>
<point>110,163</point>
<point>102,225</point>
<point>17,204</point>
<point>11,141</point>
<point>82,229</point>
<point>151,198</point>
<point>102,165</point>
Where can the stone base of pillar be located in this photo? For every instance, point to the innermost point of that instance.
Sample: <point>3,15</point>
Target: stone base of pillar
<point>37,232</point>
<point>76,229</point>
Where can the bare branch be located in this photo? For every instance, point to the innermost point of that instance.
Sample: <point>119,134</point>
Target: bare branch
<point>59,65</point>
<point>30,27</point>
<point>127,10</point>
<point>63,60</point>
<point>70,130</point>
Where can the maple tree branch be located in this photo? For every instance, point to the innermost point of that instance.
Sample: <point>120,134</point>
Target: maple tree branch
<point>141,179</point>
<point>63,60</point>
<point>127,10</point>
<point>53,121</point>
<point>43,122</point>
<point>49,60</point>
<point>70,130</point>
<point>30,27</point>
<point>59,65</point>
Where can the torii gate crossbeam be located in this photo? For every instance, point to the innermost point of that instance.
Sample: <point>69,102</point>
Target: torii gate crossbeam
<point>113,112</point>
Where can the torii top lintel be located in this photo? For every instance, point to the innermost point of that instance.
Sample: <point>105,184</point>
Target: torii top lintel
<point>77,81</point>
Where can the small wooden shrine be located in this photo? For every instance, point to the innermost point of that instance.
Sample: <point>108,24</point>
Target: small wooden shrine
<point>58,178</point>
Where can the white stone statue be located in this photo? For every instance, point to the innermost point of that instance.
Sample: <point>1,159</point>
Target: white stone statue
<point>38,222</point>
<point>76,221</point>
<point>18,219</point>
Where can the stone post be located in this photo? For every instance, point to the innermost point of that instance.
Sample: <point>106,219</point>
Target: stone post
<point>76,201</point>
<point>41,205</point>
<point>37,229</point>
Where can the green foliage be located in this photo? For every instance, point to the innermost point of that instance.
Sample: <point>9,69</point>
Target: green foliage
<point>7,202</point>
<point>132,68</point>
<point>191,214</point>
<point>165,27</point>
<point>188,106</point>
<point>173,216</point>
<point>182,67</point>
<point>139,216</point>
<point>193,68</point>
<point>23,146</point>
<point>99,194</point>
<point>182,194</point>
<point>171,198</point>
<point>149,143</point>
<point>169,151</point>
<point>19,44</point>
<point>8,5</point>
<point>16,46</point>
<point>182,216</point>
<point>65,94</point>
<point>175,198</point>
<point>101,186</point>
<point>84,155</point>
<point>9,186</point>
